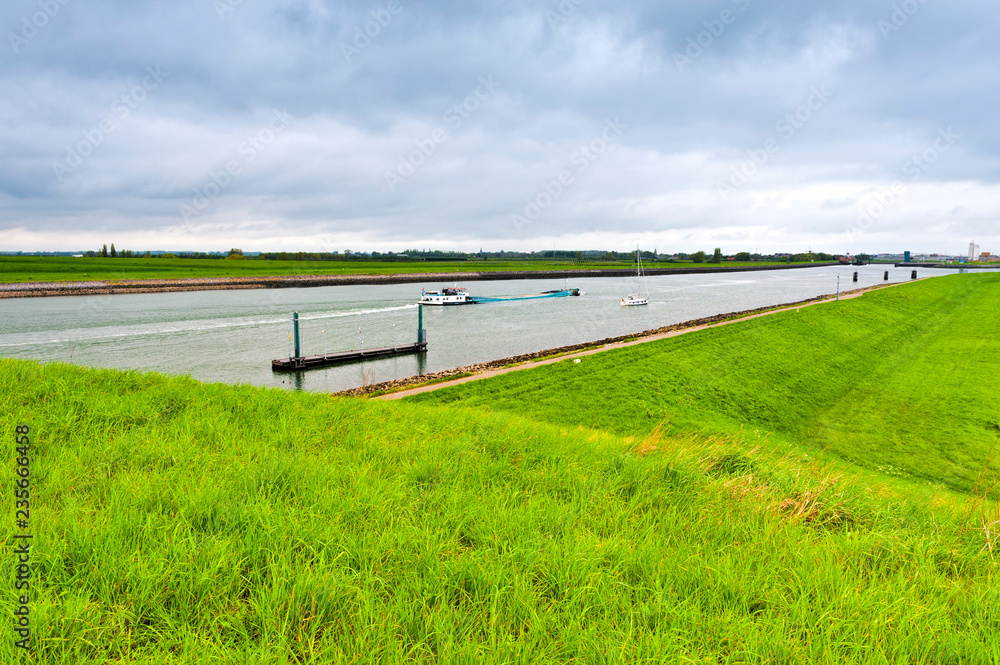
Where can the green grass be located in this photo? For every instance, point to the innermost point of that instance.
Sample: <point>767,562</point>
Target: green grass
<point>180,522</point>
<point>61,269</point>
<point>905,377</point>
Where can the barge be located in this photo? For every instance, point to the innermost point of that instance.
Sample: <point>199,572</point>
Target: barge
<point>459,295</point>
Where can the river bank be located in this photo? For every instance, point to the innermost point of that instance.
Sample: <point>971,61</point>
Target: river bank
<point>113,287</point>
<point>401,387</point>
<point>655,491</point>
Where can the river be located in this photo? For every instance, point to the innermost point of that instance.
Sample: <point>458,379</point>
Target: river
<point>231,336</point>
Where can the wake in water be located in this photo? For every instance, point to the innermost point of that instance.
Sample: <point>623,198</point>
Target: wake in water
<point>197,326</point>
<point>359,312</point>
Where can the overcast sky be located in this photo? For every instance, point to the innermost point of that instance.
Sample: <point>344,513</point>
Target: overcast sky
<point>860,125</point>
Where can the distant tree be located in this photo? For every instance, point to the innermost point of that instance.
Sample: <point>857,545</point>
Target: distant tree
<point>113,252</point>
<point>235,253</point>
<point>168,255</point>
<point>717,255</point>
<point>742,256</point>
<point>147,255</point>
<point>698,257</point>
<point>104,251</point>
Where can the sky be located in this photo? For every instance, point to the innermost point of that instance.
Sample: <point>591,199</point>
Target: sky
<point>312,125</point>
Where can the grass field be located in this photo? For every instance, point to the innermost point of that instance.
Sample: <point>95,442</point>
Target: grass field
<point>903,378</point>
<point>179,522</point>
<point>61,269</point>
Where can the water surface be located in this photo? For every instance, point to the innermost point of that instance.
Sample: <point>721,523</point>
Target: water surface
<point>231,336</point>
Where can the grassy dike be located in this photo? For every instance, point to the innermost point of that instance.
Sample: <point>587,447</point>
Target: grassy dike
<point>904,378</point>
<point>16,269</point>
<point>180,522</point>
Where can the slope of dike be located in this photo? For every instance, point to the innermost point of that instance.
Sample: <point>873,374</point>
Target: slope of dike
<point>108,287</point>
<point>181,522</point>
<point>905,378</point>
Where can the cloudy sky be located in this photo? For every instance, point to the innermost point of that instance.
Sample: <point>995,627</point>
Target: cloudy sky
<point>858,125</point>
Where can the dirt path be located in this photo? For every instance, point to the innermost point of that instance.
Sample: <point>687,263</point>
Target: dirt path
<point>620,345</point>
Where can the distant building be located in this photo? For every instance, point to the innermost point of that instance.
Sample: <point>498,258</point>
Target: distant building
<point>973,251</point>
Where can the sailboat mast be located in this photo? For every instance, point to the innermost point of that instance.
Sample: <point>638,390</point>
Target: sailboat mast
<point>638,260</point>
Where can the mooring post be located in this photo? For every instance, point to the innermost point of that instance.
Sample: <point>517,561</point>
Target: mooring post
<point>838,287</point>
<point>855,275</point>
<point>886,278</point>
<point>913,275</point>
<point>295,333</point>
<point>420,324</point>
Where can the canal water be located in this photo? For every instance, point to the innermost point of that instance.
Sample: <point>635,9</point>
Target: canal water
<point>232,336</point>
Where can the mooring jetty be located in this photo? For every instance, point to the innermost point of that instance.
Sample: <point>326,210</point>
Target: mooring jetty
<point>300,362</point>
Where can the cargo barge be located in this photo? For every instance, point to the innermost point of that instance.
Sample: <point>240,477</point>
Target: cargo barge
<point>459,295</point>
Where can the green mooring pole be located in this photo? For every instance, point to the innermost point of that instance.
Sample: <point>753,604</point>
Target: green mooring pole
<point>420,324</point>
<point>295,333</point>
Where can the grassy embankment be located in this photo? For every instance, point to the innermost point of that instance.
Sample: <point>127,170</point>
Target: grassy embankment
<point>62,269</point>
<point>905,377</point>
<point>179,522</point>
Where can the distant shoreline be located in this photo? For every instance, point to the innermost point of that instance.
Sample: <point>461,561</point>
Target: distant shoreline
<point>113,287</point>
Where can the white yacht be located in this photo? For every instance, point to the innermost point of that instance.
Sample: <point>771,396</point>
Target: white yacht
<point>633,301</point>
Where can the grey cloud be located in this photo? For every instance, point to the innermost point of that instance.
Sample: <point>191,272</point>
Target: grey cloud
<point>360,106</point>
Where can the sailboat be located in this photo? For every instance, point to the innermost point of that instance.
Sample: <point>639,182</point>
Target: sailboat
<point>630,300</point>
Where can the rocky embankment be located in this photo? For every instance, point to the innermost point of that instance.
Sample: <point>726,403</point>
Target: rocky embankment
<point>109,287</point>
<point>479,368</point>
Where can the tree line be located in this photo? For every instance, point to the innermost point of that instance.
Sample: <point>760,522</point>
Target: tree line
<point>436,255</point>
